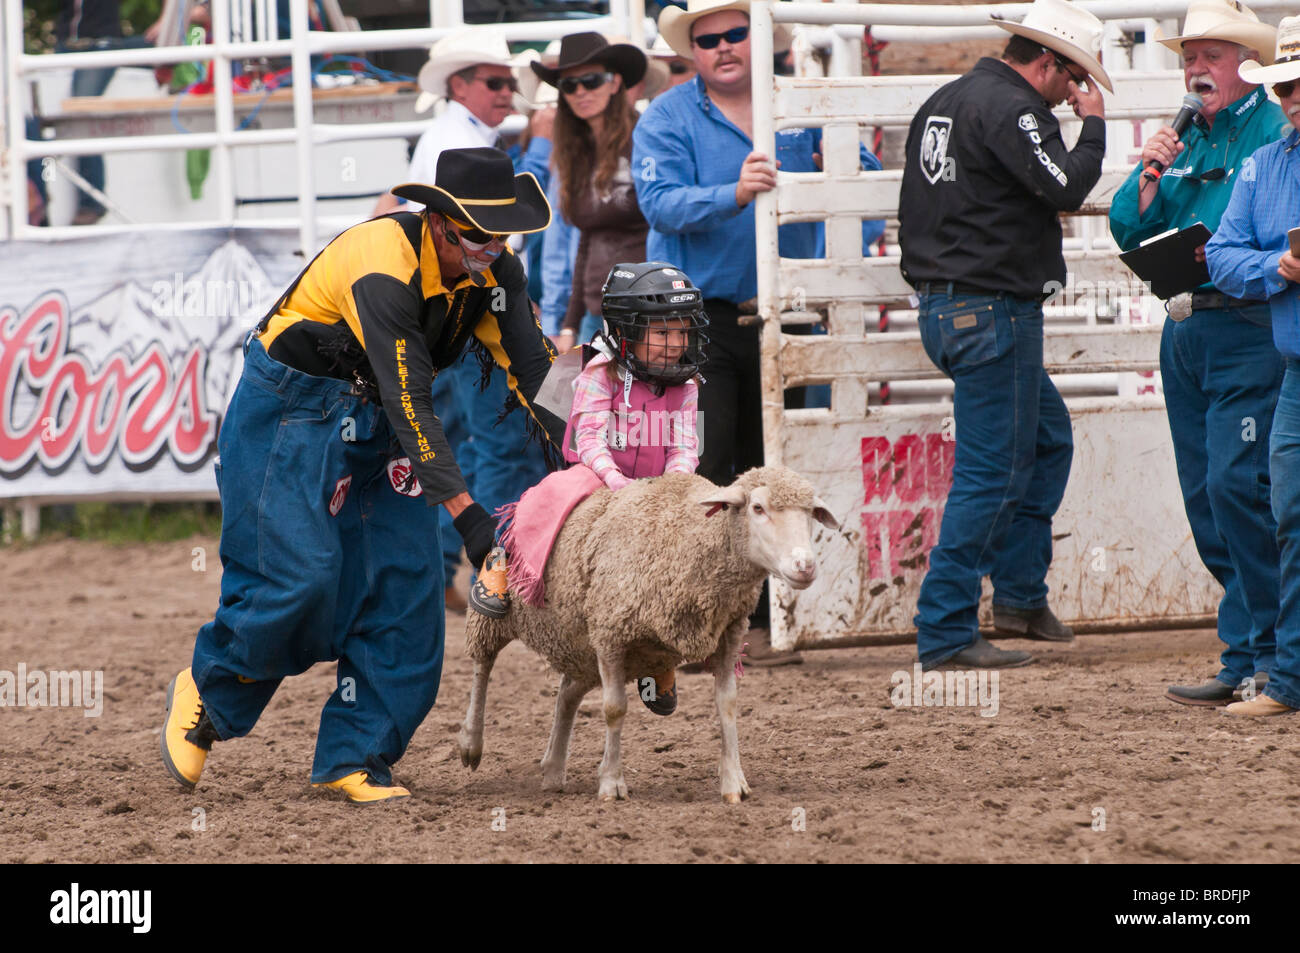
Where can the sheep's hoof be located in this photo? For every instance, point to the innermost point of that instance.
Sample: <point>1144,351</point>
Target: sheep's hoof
<point>554,785</point>
<point>613,791</point>
<point>470,756</point>
<point>732,798</point>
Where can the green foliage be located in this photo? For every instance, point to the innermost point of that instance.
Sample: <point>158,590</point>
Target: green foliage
<point>39,17</point>
<point>131,522</point>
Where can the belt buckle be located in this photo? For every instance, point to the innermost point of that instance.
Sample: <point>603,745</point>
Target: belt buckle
<point>1179,307</point>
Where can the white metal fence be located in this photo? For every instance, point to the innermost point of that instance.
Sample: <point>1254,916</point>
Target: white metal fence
<point>1124,555</point>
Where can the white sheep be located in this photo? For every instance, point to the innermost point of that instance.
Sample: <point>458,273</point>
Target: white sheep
<point>664,571</point>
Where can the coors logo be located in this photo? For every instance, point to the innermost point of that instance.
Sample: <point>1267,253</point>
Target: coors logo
<point>56,403</point>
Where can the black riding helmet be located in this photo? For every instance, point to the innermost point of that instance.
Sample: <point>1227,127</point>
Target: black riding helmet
<point>636,296</point>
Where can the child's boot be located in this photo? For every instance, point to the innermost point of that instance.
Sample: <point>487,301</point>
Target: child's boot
<point>490,595</point>
<point>661,696</point>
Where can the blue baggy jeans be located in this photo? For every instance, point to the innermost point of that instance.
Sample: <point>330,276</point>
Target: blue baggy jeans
<point>322,559</point>
<point>1221,376</point>
<point>1012,460</point>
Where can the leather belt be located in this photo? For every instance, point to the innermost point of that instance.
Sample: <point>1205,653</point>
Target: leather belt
<point>950,288</point>
<point>1180,307</point>
<point>1210,300</point>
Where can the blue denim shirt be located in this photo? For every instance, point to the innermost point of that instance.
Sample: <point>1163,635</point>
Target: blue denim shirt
<point>686,159</point>
<point>559,249</point>
<point>1243,253</point>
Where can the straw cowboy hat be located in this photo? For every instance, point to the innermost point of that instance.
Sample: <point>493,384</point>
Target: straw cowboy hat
<point>675,24</point>
<point>1224,20</point>
<point>1286,61</point>
<point>581,49</point>
<point>455,52</point>
<point>533,93</point>
<point>1066,29</point>
<point>479,186</point>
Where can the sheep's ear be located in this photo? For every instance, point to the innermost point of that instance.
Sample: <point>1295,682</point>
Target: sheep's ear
<point>822,514</point>
<point>723,497</point>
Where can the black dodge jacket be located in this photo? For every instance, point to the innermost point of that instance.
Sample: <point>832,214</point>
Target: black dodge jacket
<point>986,174</point>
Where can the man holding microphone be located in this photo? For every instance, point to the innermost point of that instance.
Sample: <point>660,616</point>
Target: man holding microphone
<point>1218,366</point>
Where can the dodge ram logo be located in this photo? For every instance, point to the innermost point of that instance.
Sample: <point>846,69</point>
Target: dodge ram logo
<point>934,147</point>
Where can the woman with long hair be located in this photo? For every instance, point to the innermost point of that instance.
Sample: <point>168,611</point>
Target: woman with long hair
<point>592,156</point>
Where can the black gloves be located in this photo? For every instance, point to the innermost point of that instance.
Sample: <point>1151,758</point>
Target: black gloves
<point>478,530</point>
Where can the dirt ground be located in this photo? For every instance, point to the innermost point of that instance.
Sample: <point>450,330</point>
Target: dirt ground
<point>1080,738</point>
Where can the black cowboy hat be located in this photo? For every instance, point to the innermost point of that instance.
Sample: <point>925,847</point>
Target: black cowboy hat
<point>579,49</point>
<point>479,186</point>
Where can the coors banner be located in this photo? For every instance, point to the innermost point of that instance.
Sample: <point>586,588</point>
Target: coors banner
<point>118,355</point>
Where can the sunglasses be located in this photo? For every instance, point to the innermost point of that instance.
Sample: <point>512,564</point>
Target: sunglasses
<point>677,69</point>
<point>708,41</point>
<point>469,237</point>
<point>587,81</point>
<point>1284,90</point>
<point>1064,66</point>
<point>498,83</point>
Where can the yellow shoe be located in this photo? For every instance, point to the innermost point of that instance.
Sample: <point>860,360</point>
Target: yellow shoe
<point>187,733</point>
<point>361,790</point>
<point>1258,706</point>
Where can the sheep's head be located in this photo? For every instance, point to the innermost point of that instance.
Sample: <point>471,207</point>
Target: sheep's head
<point>779,506</point>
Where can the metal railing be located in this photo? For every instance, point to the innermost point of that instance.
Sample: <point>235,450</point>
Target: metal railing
<point>626,18</point>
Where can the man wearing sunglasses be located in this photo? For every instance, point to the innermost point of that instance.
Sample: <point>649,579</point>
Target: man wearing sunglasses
<point>1251,256</point>
<point>334,467</point>
<point>985,179</point>
<point>1218,366</point>
<point>472,70</point>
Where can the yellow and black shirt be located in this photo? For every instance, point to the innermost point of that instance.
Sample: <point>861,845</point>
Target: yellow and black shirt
<point>372,310</point>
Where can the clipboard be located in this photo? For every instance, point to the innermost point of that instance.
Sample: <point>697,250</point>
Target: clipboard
<point>1167,262</point>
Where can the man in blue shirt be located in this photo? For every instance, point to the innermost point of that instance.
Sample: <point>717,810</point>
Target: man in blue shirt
<point>697,175</point>
<point>1250,257</point>
<point>1218,365</point>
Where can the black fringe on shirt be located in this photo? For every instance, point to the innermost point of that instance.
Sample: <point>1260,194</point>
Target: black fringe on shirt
<point>348,361</point>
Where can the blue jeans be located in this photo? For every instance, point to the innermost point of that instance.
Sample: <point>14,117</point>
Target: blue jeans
<point>592,324</point>
<point>315,570</point>
<point>1012,461</point>
<point>93,82</point>
<point>1221,376</point>
<point>498,460</point>
<point>1284,467</point>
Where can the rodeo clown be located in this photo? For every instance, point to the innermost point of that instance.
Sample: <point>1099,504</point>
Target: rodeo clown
<point>329,443</point>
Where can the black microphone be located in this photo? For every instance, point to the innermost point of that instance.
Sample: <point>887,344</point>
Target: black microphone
<point>1192,105</point>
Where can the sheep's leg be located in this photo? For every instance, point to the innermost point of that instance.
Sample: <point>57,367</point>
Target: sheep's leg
<point>612,785</point>
<point>470,739</point>
<point>734,787</point>
<point>556,758</point>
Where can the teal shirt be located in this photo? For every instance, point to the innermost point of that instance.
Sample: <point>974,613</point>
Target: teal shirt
<point>1184,196</point>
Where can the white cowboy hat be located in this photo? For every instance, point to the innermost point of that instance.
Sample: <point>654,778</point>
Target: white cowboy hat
<point>533,93</point>
<point>675,24</point>
<point>1224,20</point>
<point>1286,61</point>
<point>1066,29</point>
<point>660,48</point>
<point>455,52</point>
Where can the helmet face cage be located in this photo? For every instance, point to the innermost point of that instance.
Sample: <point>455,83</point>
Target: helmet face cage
<point>635,309</point>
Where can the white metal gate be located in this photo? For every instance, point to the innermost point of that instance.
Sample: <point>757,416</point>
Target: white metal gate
<point>1124,556</point>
